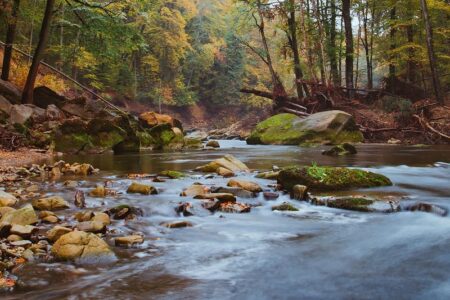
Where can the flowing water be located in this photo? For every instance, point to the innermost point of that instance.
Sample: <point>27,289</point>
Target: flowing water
<point>315,253</point>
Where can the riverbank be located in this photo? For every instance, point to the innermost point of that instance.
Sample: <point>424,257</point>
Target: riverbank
<point>23,157</point>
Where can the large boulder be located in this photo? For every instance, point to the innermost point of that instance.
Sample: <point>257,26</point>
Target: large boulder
<point>10,92</point>
<point>44,96</point>
<point>330,178</point>
<point>152,119</point>
<point>331,127</point>
<point>19,114</point>
<point>5,105</point>
<point>80,245</point>
<point>23,216</point>
<point>50,203</point>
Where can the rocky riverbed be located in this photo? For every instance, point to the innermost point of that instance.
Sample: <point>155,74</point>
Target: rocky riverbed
<point>76,214</point>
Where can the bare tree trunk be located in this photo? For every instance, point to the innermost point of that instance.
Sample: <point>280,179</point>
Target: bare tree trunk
<point>320,42</point>
<point>358,37</point>
<point>431,55</point>
<point>10,36</point>
<point>306,43</point>
<point>346,8</point>
<point>27,96</point>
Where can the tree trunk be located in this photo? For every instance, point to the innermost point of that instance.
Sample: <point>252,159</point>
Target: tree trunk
<point>431,55</point>
<point>294,46</point>
<point>393,46</point>
<point>27,96</point>
<point>332,47</point>
<point>346,7</point>
<point>10,36</point>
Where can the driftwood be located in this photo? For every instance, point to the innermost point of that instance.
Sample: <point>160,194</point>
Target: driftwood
<point>426,125</point>
<point>295,112</point>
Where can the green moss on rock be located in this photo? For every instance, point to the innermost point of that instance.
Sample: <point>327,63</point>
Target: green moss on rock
<point>330,178</point>
<point>172,174</point>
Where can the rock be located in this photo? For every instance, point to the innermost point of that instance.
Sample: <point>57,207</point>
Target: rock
<point>356,203</point>
<point>195,190</point>
<point>190,143</point>
<point>270,195</point>
<point>7,199</point>
<point>4,229</point>
<point>10,92</point>
<point>198,135</point>
<point>99,192</point>
<point>180,224</point>
<point>19,114</point>
<point>393,141</point>
<point>84,216</point>
<point>228,162</point>
<point>138,188</point>
<point>80,200</point>
<point>213,144</point>
<point>92,226</point>
<point>71,183</point>
<point>341,150</point>
<point>272,175</point>
<point>77,245</point>
<point>5,105</point>
<point>299,192</point>
<point>330,178</point>
<point>125,212</point>
<point>4,210</point>
<point>222,197</point>
<point>14,238</point>
<point>236,191</point>
<point>53,113</point>
<point>333,127</point>
<point>24,231</point>
<point>225,172</point>
<point>246,185</point>
<point>32,188</point>
<point>427,207</point>
<point>23,216</point>
<point>285,207</point>
<point>172,174</point>
<point>45,97</point>
<point>184,208</point>
<point>50,219</point>
<point>234,207</point>
<point>22,243</point>
<point>50,203</point>
<point>102,218</point>
<point>151,119</point>
<point>129,241</point>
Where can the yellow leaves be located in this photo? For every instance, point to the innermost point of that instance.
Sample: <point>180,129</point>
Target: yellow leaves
<point>84,59</point>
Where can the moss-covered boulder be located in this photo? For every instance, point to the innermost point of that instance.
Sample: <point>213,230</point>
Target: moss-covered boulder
<point>285,206</point>
<point>331,127</point>
<point>330,178</point>
<point>358,203</point>
<point>341,150</point>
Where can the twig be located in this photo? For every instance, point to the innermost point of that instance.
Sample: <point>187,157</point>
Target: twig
<point>425,124</point>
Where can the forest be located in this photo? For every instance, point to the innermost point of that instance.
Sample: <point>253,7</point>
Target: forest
<point>224,149</point>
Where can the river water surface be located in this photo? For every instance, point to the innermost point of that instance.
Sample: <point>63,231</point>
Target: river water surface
<point>315,253</point>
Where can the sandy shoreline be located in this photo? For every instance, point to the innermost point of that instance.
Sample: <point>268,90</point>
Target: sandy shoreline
<point>23,157</point>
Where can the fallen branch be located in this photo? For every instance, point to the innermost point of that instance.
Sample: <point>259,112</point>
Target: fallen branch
<point>426,125</point>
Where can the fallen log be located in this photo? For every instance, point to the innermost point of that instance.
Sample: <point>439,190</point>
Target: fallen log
<point>295,112</point>
<point>426,125</point>
<point>296,105</point>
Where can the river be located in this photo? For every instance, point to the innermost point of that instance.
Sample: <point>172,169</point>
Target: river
<point>315,253</point>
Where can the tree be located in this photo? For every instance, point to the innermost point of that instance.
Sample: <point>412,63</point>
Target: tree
<point>431,54</point>
<point>346,15</point>
<point>27,96</point>
<point>10,36</point>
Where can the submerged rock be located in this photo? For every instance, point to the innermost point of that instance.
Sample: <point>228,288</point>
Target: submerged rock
<point>138,188</point>
<point>285,206</point>
<point>330,178</point>
<point>172,174</point>
<point>129,241</point>
<point>271,195</point>
<point>341,150</point>
<point>50,203</point>
<point>80,245</point>
<point>246,185</point>
<point>180,224</point>
<point>333,127</point>
<point>213,144</point>
<point>429,208</point>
